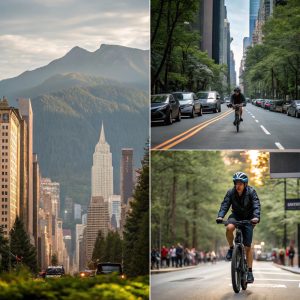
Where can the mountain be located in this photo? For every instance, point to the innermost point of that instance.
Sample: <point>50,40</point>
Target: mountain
<point>115,62</point>
<point>67,125</point>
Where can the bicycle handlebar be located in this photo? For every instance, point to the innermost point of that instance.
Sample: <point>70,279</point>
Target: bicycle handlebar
<point>237,223</point>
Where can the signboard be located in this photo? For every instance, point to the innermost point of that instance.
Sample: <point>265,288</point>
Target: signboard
<point>292,204</point>
<point>285,165</point>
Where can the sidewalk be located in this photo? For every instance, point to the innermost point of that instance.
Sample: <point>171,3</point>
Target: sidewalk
<point>173,269</point>
<point>290,269</point>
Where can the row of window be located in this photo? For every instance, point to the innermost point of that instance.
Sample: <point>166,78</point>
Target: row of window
<point>4,140</point>
<point>4,219</point>
<point>4,159</point>
<point>4,205</point>
<point>4,179</point>
<point>4,167</point>
<point>4,133</point>
<point>4,186</point>
<point>4,147</point>
<point>4,200</point>
<point>4,225</point>
<point>4,126</point>
<point>4,193</point>
<point>4,153</point>
<point>4,213</point>
<point>4,173</point>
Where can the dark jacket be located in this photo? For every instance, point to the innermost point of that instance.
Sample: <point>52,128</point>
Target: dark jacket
<point>245,207</point>
<point>237,99</point>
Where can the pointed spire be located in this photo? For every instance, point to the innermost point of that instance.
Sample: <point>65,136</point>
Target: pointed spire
<point>102,135</point>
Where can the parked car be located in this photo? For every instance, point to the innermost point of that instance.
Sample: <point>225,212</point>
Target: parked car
<point>258,102</point>
<point>210,101</point>
<point>294,109</point>
<point>262,103</point>
<point>55,271</point>
<point>248,100</point>
<point>286,105</point>
<point>277,105</point>
<point>164,107</point>
<point>87,273</point>
<point>253,101</point>
<point>227,100</point>
<point>189,103</point>
<point>109,268</point>
<point>268,103</point>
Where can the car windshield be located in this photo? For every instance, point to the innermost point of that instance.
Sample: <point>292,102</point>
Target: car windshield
<point>205,95</point>
<point>183,97</point>
<point>297,102</point>
<point>54,271</point>
<point>109,268</point>
<point>159,98</point>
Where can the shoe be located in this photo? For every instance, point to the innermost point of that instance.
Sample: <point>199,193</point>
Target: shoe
<point>229,254</point>
<point>241,120</point>
<point>250,278</point>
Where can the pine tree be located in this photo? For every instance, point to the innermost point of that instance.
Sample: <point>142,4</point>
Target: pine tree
<point>4,252</point>
<point>54,260</point>
<point>99,248</point>
<point>136,233</point>
<point>21,248</point>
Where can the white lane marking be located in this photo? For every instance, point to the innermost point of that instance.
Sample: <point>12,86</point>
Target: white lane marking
<point>273,279</point>
<point>279,146</point>
<point>256,121</point>
<point>265,130</point>
<point>277,273</point>
<point>253,117</point>
<point>265,285</point>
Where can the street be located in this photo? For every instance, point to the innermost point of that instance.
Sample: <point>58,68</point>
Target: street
<point>214,282</point>
<point>261,129</point>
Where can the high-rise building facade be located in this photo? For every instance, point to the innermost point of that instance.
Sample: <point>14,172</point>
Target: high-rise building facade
<point>126,174</point>
<point>77,211</point>
<point>232,70</point>
<point>254,7</point>
<point>78,239</point>
<point>36,197</point>
<point>69,210</point>
<point>97,219</point>
<point>114,207</point>
<point>102,169</point>
<point>53,188</point>
<point>10,132</point>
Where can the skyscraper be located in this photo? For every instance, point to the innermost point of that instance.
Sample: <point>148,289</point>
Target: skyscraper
<point>126,174</point>
<point>254,7</point>
<point>52,188</point>
<point>97,219</point>
<point>102,169</point>
<point>36,196</point>
<point>27,115</point>
<point>115,209</point>
<point>10,131</point>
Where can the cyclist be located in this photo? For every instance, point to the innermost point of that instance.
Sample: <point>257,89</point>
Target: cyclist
<point>245,205</point>
<point>238,98</point>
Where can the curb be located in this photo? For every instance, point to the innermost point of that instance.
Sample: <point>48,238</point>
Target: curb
<point>287,268</point>
<point>167,270</point>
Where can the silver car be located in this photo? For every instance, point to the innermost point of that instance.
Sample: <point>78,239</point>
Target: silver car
<point>210,101</point>
<point>189,103</point>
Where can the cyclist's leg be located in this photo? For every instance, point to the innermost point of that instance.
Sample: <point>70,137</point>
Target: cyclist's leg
<point>247,239</point>
<point>230,229</point>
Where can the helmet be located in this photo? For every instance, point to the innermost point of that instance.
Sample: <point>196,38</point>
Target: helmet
<point>240,176</point>
<point>237,89</point>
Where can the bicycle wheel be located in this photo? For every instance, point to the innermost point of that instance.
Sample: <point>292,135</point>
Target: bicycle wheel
<point>236,270</point>
<point>237,122</point>
<point>244,275</point>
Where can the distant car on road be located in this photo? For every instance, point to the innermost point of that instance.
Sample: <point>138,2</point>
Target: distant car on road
<point>294,109</point>
<point>164,107</point>
<point>286,105</point>
<point>276,106</point>
<point>55,271</point>
<point>109,268</point>
<point>227,100</point>
<point>210,101</point>
<point>268,103</point>
<point>258,102</point>
<point>189,103</point>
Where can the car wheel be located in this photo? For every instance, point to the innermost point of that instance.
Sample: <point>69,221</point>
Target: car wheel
<point>193,113</point>
<point>178,119</point>
<point>297,115</point>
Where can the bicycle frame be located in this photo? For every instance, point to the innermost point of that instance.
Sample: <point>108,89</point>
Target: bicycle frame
<point>237,108</point>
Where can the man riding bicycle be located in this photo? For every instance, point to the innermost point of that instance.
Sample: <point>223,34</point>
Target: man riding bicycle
<point>245,205</point>
<point>237,99</point>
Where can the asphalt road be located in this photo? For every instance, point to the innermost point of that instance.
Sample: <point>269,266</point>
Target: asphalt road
<point>261,129</point>
<point>213,282</point>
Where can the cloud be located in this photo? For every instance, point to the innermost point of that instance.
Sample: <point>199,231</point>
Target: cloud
<point>34,32</point>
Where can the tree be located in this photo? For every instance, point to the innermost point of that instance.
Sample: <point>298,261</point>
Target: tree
<point>54,260</point>
<point>21,247</point>
<point>99,248</point>
<point>4,252</point>
<point>136,233</point>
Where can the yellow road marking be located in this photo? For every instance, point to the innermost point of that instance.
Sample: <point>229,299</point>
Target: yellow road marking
<point>189,133</point>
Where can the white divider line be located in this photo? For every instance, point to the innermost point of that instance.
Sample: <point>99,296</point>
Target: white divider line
<point>265,130</point>
<point>256,121</point>
<point>253,117</point>
<point>279,146</point>
<point>273,279</point>
<point>265,285</point>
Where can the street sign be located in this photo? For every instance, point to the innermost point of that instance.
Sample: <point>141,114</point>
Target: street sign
<point>292,204</point>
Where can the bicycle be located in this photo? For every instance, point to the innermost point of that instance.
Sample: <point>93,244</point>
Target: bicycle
<point>239,267</point>
<point>237,118</point>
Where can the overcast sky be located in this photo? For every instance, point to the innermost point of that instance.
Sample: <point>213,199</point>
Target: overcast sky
<point>35,32</point>
<point>238,16</point>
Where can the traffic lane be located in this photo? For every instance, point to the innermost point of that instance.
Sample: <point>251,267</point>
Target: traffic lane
<point>214,282</point>
<point>282,127</point>
<point>222,135</point>
<point>161,132</point>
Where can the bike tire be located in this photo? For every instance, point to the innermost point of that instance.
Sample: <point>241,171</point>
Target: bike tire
<point>244,276</point>
<point>236,269</point>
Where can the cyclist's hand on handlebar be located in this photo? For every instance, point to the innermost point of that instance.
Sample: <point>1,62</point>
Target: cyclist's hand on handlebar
<point>219,220</point>
<point>254,221</point>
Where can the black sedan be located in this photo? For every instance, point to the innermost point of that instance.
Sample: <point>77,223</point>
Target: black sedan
<point>294,109</point>
<point>164,107</point>
<point>189,103</point>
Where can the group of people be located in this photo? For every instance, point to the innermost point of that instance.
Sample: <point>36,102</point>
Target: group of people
<point>179,256</point>
<point>288,254</point>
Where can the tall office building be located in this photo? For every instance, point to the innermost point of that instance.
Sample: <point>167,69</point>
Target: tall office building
<point>102,169</point>
<point>10,181</point>
<point>254,7</point>
<point>114,207</point>
<point>36,196</point>
<point>126,174</point>
<point>232,70</point>
<point>78,239</point>
<point>27,115</point>
<point>53,188</point>
<point>69,210</point>
<point>77,211</point>
<point>97,219</point>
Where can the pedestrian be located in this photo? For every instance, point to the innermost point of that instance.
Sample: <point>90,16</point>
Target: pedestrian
<point>291,255</point>
<point>173,256</point>
<point>213,257</point>
<point>281,256</point>
<point>154,259</point>
<point>179,255</point>
<point>163,256</point>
